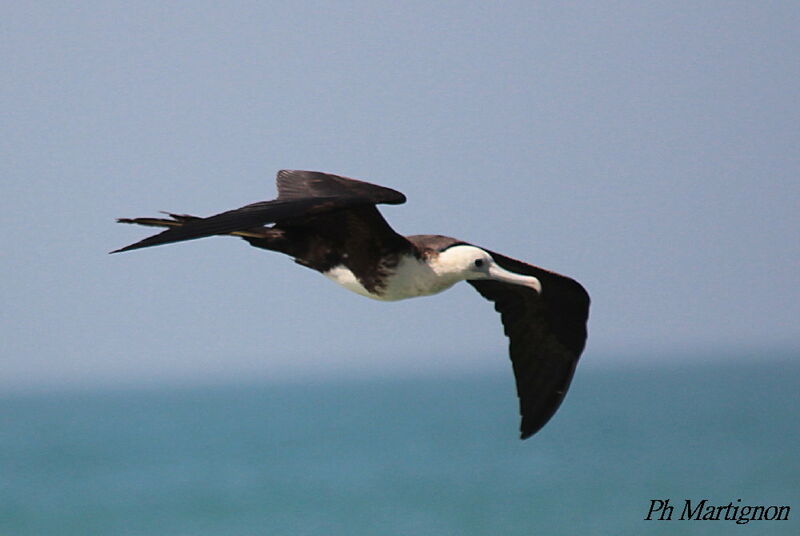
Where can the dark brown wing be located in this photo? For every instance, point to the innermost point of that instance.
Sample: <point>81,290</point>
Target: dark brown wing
<point>295,184</point>
<point>358,238</point>
<point>547,333</point>
<point>303,196</point>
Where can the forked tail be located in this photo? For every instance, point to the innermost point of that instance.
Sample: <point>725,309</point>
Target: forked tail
<point>179,220</point>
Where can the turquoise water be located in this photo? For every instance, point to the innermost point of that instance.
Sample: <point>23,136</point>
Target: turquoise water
<point>432,456</point>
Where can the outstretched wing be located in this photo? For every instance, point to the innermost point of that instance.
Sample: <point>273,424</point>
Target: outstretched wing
<point>302,196</point>
<point>547,333</point>
<point>295,184</point>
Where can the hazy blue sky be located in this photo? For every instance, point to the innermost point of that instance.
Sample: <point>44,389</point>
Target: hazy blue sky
<point>649,149</point>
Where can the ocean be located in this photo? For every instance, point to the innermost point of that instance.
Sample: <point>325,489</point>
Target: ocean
<point>409,456</point>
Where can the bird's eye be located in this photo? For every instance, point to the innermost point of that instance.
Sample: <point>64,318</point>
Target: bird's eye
<point>478,263</point>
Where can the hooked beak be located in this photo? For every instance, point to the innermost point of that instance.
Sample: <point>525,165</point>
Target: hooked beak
<point>499,274</point>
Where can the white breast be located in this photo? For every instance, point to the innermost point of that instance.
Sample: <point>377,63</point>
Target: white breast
<point>341,275</point>
<point>409,279</point>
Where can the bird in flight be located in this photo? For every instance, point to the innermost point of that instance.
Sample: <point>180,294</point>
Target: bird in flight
<point>331,224</point>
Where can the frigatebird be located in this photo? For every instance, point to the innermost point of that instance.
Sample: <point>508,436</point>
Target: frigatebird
<point>331,224</point>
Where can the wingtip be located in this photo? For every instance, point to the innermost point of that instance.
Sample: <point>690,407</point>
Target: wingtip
<point>528,429</point>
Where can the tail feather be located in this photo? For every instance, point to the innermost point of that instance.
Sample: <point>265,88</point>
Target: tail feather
<point>178,220</point>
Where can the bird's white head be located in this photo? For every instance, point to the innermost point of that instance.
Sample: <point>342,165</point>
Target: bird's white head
<point>469,263</point>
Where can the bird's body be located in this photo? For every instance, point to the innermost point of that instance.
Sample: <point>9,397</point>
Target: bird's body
<point>409,278</point>
<point>331,224</point>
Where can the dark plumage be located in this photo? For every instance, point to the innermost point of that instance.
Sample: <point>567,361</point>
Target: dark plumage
<point>331,224</point>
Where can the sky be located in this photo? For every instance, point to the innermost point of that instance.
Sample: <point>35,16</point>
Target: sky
<point>650,150</point>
